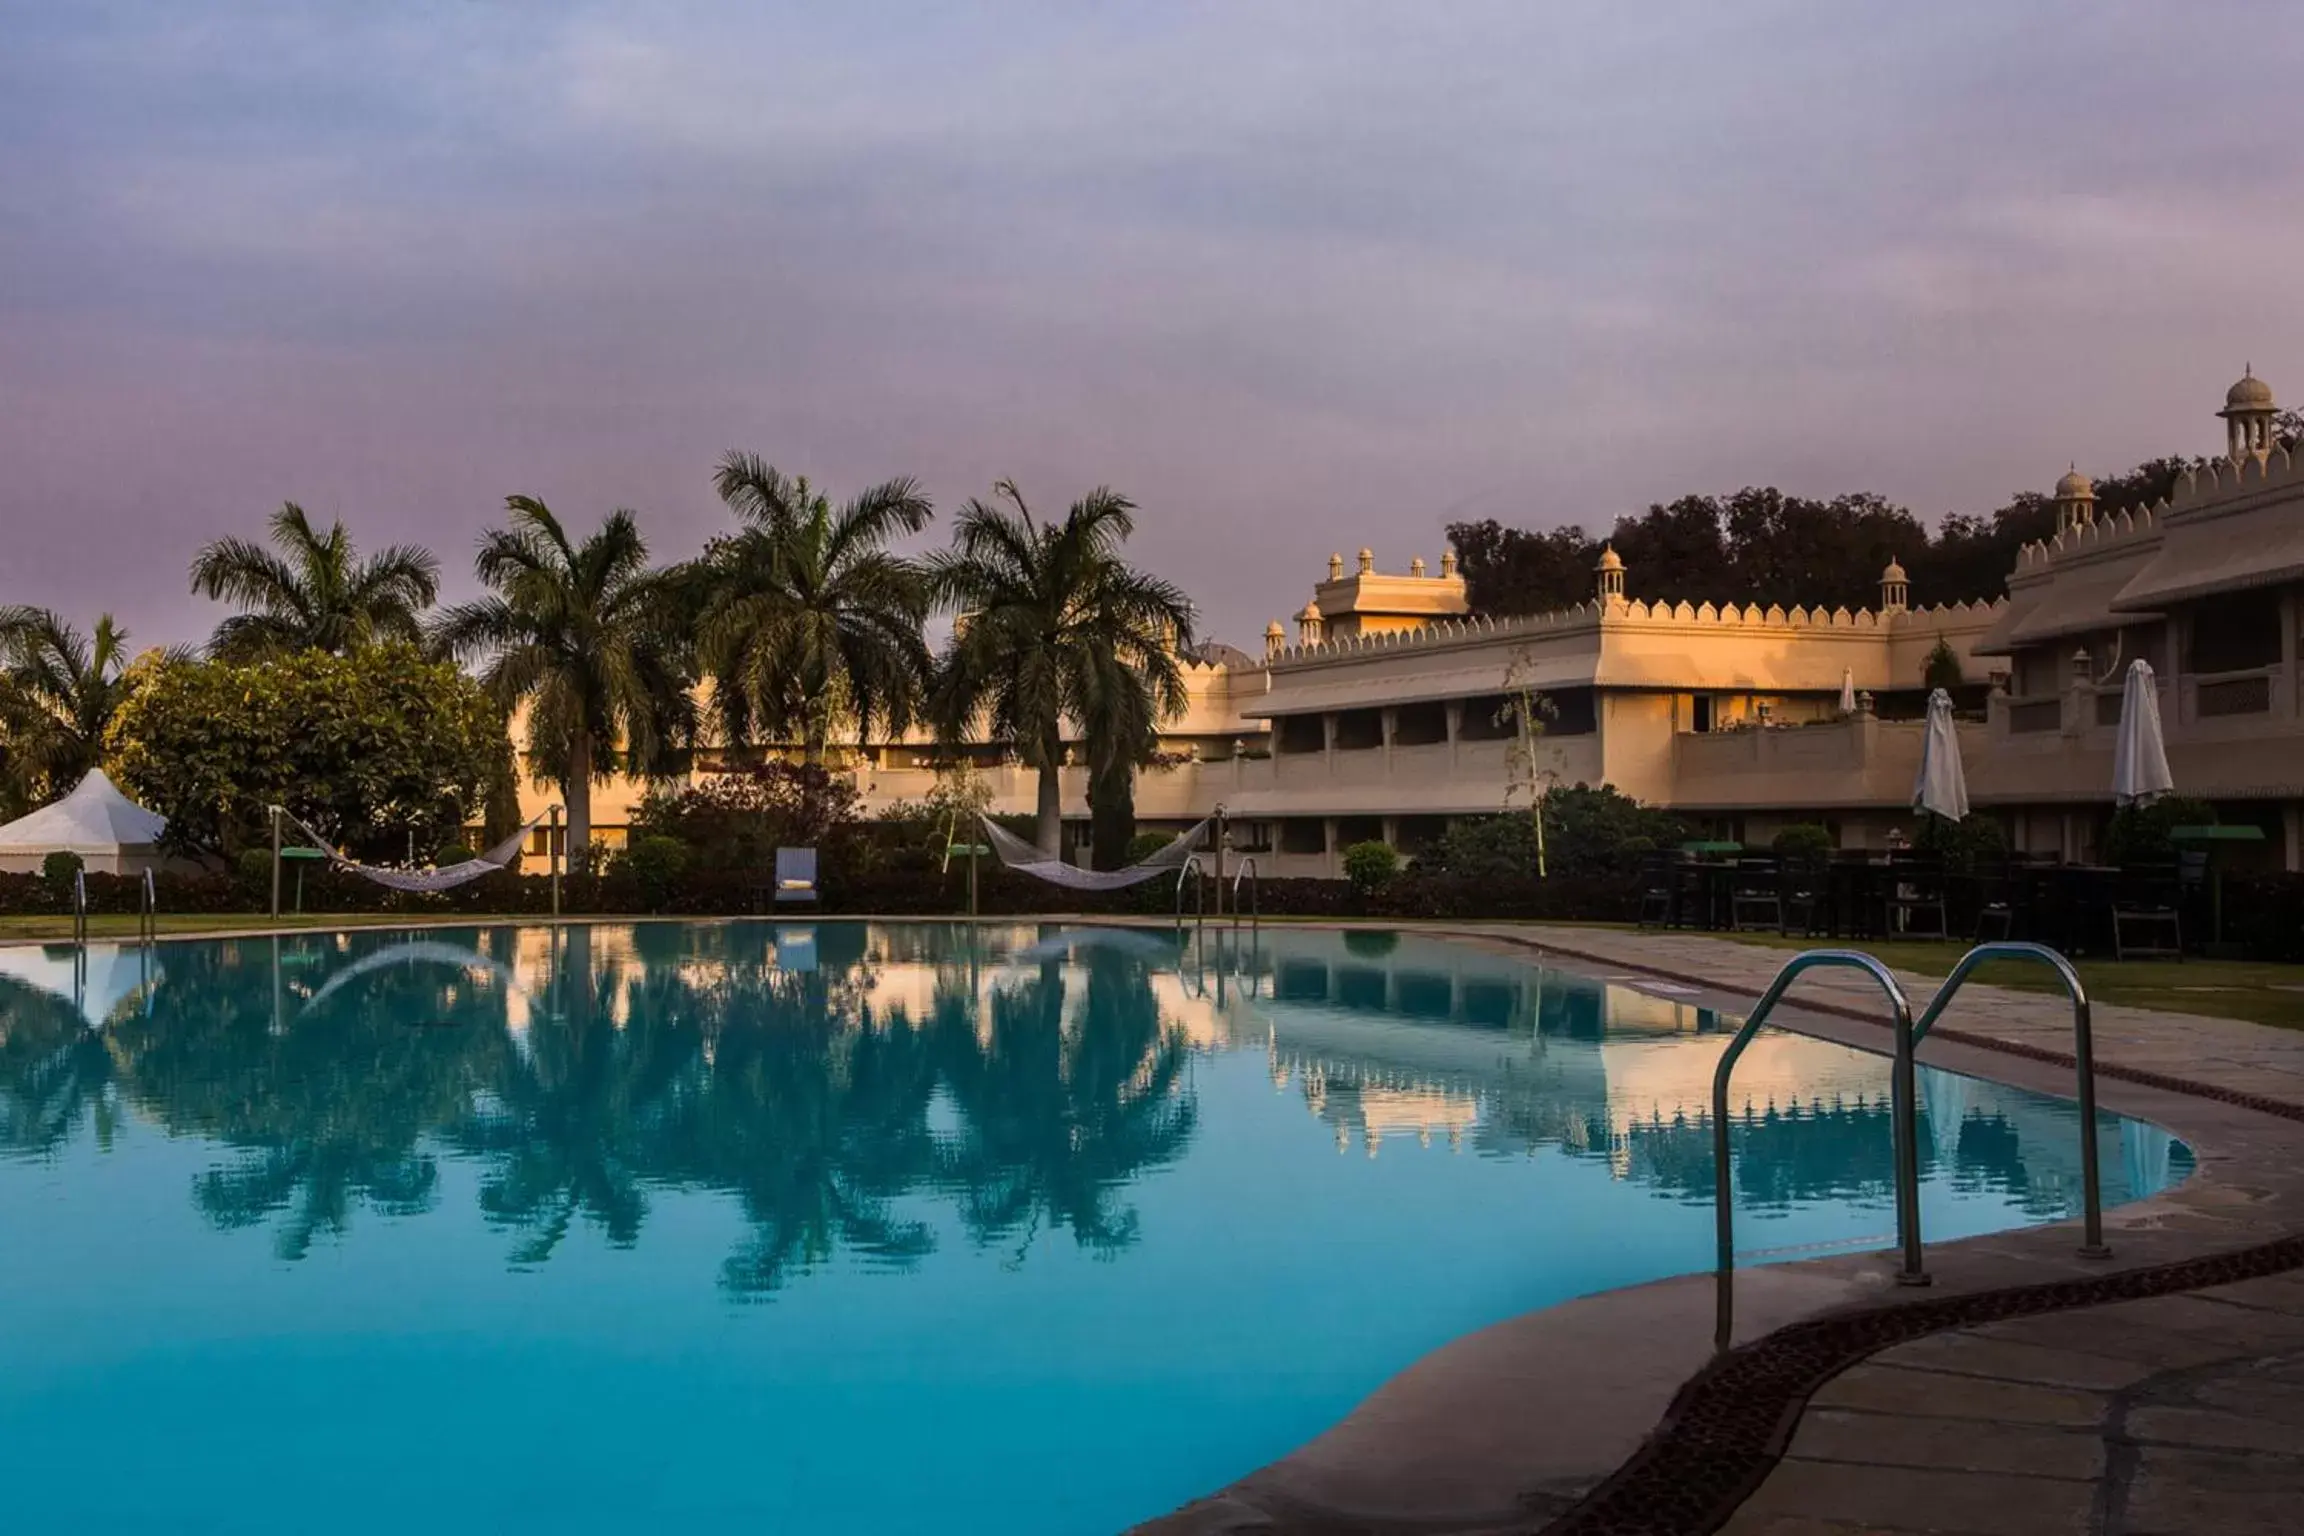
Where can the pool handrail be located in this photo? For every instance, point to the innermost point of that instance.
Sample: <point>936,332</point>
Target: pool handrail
<point>1190,873</point>
<point>1903,1112</point>
<point>1246,872</point>
<point>2084,1059</point>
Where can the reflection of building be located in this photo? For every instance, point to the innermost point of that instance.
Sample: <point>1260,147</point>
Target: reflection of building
<point>1595,1068</point>
<point>1387,713</point>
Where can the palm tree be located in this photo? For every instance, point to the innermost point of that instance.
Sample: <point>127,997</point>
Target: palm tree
<point>58,692</point>
<point>807,617</point>
<point>1054,625</point>
<point>581,634</point>
<point>316,593</point>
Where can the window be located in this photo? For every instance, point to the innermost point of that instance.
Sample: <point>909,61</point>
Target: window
<point>1419,725</point>
<point>1417,833</point>
<point>2236,632</point>
<point>1359,730</point>
<point>1303,834</point>
<point>1575,712</point>
<point>1359,829</point>
<point>1488,718</point>
<point>1700,714</point>
<point>1300,733</point>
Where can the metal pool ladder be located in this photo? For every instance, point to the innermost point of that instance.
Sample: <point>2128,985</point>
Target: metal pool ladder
<point>1903,1104</point>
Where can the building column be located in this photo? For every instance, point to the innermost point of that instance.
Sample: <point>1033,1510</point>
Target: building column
<point>2292,834</point>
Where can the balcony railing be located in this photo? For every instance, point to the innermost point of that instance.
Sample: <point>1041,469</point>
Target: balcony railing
<point>2027,716</point>
<point>2220,697</point>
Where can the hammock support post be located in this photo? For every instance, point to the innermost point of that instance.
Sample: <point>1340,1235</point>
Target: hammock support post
<point>275,863</point>
<point>1222,841</point>
<point>552,853</point>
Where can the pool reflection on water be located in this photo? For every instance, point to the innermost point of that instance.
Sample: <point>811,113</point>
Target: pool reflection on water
<point>853,1228</point>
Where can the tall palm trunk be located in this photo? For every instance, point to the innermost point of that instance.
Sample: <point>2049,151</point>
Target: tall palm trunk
<point>1049,831</point>
<point>579,796</point>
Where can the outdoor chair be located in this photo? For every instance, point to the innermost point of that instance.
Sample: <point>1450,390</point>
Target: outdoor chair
<point>1996,898</point>
<point>1802,883</point>
<point>1756,896</point>
<point>795,874</point>
<point>2145,912</point>
<point>1660,888</point>
<point>1916,890</point>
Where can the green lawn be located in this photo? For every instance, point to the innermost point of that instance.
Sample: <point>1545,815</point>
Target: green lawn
<point>2257,991</point>
<point>17,929</point>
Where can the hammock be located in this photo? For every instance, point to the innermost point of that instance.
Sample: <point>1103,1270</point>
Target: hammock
<point>1025,859</point>
<point>444,879</point>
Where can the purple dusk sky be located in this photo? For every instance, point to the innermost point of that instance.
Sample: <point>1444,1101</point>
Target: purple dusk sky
<point>1297,275</point>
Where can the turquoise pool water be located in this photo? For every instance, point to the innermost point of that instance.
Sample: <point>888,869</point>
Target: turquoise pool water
<point>846,1228</point>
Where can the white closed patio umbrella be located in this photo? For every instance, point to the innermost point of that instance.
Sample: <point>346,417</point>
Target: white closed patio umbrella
<point>1942,788</point>
<point>1847,692</point>
<point>2140,756</point>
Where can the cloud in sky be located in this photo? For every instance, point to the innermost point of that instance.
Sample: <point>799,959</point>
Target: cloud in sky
<point>1297,276</point>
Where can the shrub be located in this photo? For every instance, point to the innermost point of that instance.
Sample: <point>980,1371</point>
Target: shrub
<point>654,864</point>
<point>1590,832</point>
<point>1802,840</point>
<point>1962,845</point>
<point>454,853</point>
<point>59,867</point>
<point>2139,833</point>
<point>1369,866</point>
<point>255,866</point>
<point>740,818</point>
<point>1485,848</point>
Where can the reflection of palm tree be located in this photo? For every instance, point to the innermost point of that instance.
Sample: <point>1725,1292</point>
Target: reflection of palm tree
<point>564,1127</point>
<point>816,1122</point>
<point>54,1073</point>
<point>328,1115</point>
<point>1057,1121</point>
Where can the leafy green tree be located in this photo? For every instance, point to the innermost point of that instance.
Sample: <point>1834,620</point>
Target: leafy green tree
<point>808,619</point>
<point>1942,668</point>
<point>312,591</point>
<point>1054,625</point>
<point>367,747</point>
<point>586,637</point>
<point>59,690</point>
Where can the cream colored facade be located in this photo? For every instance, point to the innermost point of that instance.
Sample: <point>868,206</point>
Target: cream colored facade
<point>1384,719</point>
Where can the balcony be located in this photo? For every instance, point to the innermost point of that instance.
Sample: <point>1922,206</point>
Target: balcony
<point>1857,761</point>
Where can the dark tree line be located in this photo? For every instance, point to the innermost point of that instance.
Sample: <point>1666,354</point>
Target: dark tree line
<point>1760,545</point>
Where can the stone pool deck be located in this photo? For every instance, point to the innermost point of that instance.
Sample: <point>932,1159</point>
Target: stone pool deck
<point>2027,1390</point>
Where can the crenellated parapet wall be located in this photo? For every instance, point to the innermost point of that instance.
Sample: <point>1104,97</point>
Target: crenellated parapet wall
<point>2207,488</point>
<point>1633,612</point>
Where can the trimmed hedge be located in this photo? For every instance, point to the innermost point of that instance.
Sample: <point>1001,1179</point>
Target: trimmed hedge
<point>2263,913</point>
<point>895,891</point>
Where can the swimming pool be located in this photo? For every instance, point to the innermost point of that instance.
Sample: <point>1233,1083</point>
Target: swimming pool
<point>849,1228</point>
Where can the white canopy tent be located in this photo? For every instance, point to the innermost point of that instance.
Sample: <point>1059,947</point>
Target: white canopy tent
<point>112,834</point>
